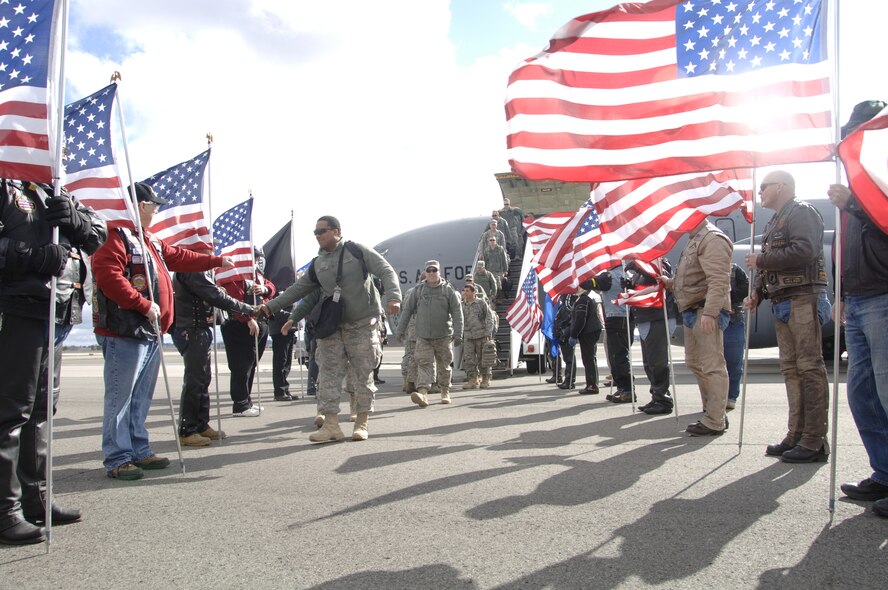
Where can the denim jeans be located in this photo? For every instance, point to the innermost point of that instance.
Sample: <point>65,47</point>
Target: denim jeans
<point>735,340</point>
<point>131,367</point>
<point>867,341</point>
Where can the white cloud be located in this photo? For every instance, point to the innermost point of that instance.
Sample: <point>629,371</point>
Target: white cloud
<point>528,13</point>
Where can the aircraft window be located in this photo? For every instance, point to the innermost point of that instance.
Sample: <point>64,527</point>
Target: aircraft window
<point>727,226</point>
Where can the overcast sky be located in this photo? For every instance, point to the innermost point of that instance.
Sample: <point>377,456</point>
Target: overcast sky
<point>387,114</point>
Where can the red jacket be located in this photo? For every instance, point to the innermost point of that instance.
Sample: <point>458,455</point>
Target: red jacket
<point>109,266</point>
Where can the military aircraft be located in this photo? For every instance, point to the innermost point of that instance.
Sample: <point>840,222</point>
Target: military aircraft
<point>455,245</point>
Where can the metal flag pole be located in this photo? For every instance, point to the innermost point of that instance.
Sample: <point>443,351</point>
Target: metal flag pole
<point>629,340</point>
<point>53,286</point>
<point>748,330</point>
<point>256,337</point>
<point>215,340</point>
<point>837,280</point>
<point>300,342</point>
<point>148,262</point>
<point>669,348</point>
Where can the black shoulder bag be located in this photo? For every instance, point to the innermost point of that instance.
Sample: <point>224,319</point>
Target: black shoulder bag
<point>327,314</point>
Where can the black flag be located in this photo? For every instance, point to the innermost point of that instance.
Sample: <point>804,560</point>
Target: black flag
<point>279,266</point>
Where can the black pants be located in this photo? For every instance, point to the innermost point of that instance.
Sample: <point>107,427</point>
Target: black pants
<point>23,358</point>
<point>588,351</point>
<point>655,355</point>
<point>618,343</point>
<point>281,361</point>
<point>240,348</point>
<point>194,406</point>
<point>570,365</point>
<point>312,347</point>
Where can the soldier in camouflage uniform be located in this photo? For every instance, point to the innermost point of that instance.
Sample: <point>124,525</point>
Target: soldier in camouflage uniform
<point>439,324</point>
<point>486,280</point>
<point>478,328</point>
<point>356,341</point>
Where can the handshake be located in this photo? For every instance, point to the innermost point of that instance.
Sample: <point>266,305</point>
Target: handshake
<point>260,311</point>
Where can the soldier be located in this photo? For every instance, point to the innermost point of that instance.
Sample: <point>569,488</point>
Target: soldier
<point>486,280</point>
<point>196,297</point>
<point>356,339</point>
<point>439,325</point>
<point>496,262</point>
<point>515,218</point>
<point>478,329</point>
<point>701,287</point>
<point>794,279</point>
<point>28,260</point>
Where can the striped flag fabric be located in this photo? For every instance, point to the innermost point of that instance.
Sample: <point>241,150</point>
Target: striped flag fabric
<point>91,172</point>
<point>542,228</point>
<point>30,48</point>
<point>524,314</point>
<point>648,297</point>
<point>864,154</point>
<point>670,86</point>
<point>183,222</point>
<point>233,237</point>
<point>582,235</point>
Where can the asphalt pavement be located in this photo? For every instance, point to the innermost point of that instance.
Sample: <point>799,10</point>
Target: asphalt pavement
<point>521,485</point>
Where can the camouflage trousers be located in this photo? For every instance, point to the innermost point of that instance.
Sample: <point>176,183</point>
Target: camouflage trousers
<point>471,360</point>
<point>408,361</point>
<point>354,348</point>
<point>430,353</point>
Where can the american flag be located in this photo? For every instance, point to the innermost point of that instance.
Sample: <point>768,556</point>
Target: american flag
<point>524,314</point>
<point>91,172</point>
<point>28,80</point>
<point>182,223</point>
<point>865,156</point>
<point>232,237</point>
<point>573,247</point>
<point>648,297</point>
<point>542,228</point>
<point>668,87</point>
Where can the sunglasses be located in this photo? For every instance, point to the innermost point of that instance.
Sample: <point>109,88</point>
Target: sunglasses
<point>322,230</point>
<point>431,269</point>
<point>765,185</point>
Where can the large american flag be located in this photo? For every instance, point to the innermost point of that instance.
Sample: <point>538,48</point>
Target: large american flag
<point>91,172</point>
<point>865,156</point>
<point>182,223</point>
<point>232,237</point>
<point>524,314</point>
<point>29,44</point>
<point>668,87</point>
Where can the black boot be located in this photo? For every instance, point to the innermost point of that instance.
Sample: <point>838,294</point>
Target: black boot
<point>22,533</point>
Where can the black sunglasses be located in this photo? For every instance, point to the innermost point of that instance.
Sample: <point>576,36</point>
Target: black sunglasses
<point>322,230</point>
<point>431,269</point>
<point>765,185</point>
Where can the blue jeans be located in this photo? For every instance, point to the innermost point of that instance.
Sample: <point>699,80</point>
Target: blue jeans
<point>131,368</point>
<point>867,341</point>
<point>735,340</point>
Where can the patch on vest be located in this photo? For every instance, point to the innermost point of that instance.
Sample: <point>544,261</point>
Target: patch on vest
<point>139,282</point>
<point>22,201</point>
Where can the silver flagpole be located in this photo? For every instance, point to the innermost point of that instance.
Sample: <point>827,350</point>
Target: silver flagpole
<point>748,330</point>
<point>50,348</point>
<point>256,337</point>
<point>215,342</point>
<point>300,342</point>
<point>669,350</point>
<point>148,261</point>
<point>629,340</point>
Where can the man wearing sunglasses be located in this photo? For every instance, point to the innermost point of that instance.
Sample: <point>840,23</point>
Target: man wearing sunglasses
<point>356,341</point>
<point>792,275</point>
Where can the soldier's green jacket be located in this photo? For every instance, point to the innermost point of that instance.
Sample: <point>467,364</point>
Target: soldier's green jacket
<point>438,312</point>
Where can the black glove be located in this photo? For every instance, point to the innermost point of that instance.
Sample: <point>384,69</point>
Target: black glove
<point>49,259</point>
<point>62,213</point>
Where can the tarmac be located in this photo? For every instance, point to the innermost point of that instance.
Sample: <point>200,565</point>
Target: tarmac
<point>521,485</point>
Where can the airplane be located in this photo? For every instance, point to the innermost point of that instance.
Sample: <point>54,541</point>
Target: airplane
<point>455,244</point>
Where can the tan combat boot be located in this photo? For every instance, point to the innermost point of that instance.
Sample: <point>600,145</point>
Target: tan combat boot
<point>360,431</point>
<point>319,421</point>
<point>445,395</point>
<point>420,397</point>
<point>485,381</point>
<point>330,432</point>
<point>434,388</point>
<point>471,383</point>
<point>352,404</point>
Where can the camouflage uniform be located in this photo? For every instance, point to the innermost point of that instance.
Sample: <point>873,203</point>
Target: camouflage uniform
<point>478,319</point>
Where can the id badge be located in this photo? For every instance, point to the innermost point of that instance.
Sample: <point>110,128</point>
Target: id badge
<point>337,292</point>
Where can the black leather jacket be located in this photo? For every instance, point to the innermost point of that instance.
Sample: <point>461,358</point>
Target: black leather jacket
<point>196,296</point>
<point>865,257</point>
<point>22,211</point>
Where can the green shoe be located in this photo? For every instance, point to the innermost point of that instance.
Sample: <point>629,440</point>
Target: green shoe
<point>126,472</point>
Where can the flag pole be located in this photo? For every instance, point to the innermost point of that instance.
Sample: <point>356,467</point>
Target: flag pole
<point>629,340</point>
<point>669,347</point>
<point>53,286</point>
<point>256,337</point>
<point>215,340</point>
<point>300,342</point>
<point>837,279</point>
<point>748,330</point>
<point>148,261</point>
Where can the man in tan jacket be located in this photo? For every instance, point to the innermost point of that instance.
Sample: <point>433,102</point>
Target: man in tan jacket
<point>702,291</point>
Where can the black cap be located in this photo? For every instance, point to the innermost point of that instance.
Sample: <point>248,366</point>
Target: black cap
<point>146,194</point>
<point>863,112</point>
<point>587,285</point>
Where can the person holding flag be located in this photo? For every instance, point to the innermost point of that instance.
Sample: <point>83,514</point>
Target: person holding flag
<point>128,272</point>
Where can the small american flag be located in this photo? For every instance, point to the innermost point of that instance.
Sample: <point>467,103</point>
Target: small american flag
<point>573,246</point>
<point>542,228</point>
<point>91,172</point>
<point>28,73</point>
<point>648,297</point>
<point>232,236</point>
<point>182,223</point>
<point>524,314</point>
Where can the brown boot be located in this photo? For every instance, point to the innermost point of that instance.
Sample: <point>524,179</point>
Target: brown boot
<point>485,381</point>
<point>420,397</point>
<point>319,421</point>
<point>472,383</point>
<point>360,431</point>
<point>330,432</point>
<point>445,395</point>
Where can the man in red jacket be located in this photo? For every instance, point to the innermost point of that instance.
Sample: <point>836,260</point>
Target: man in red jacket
<point>129,320</point>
